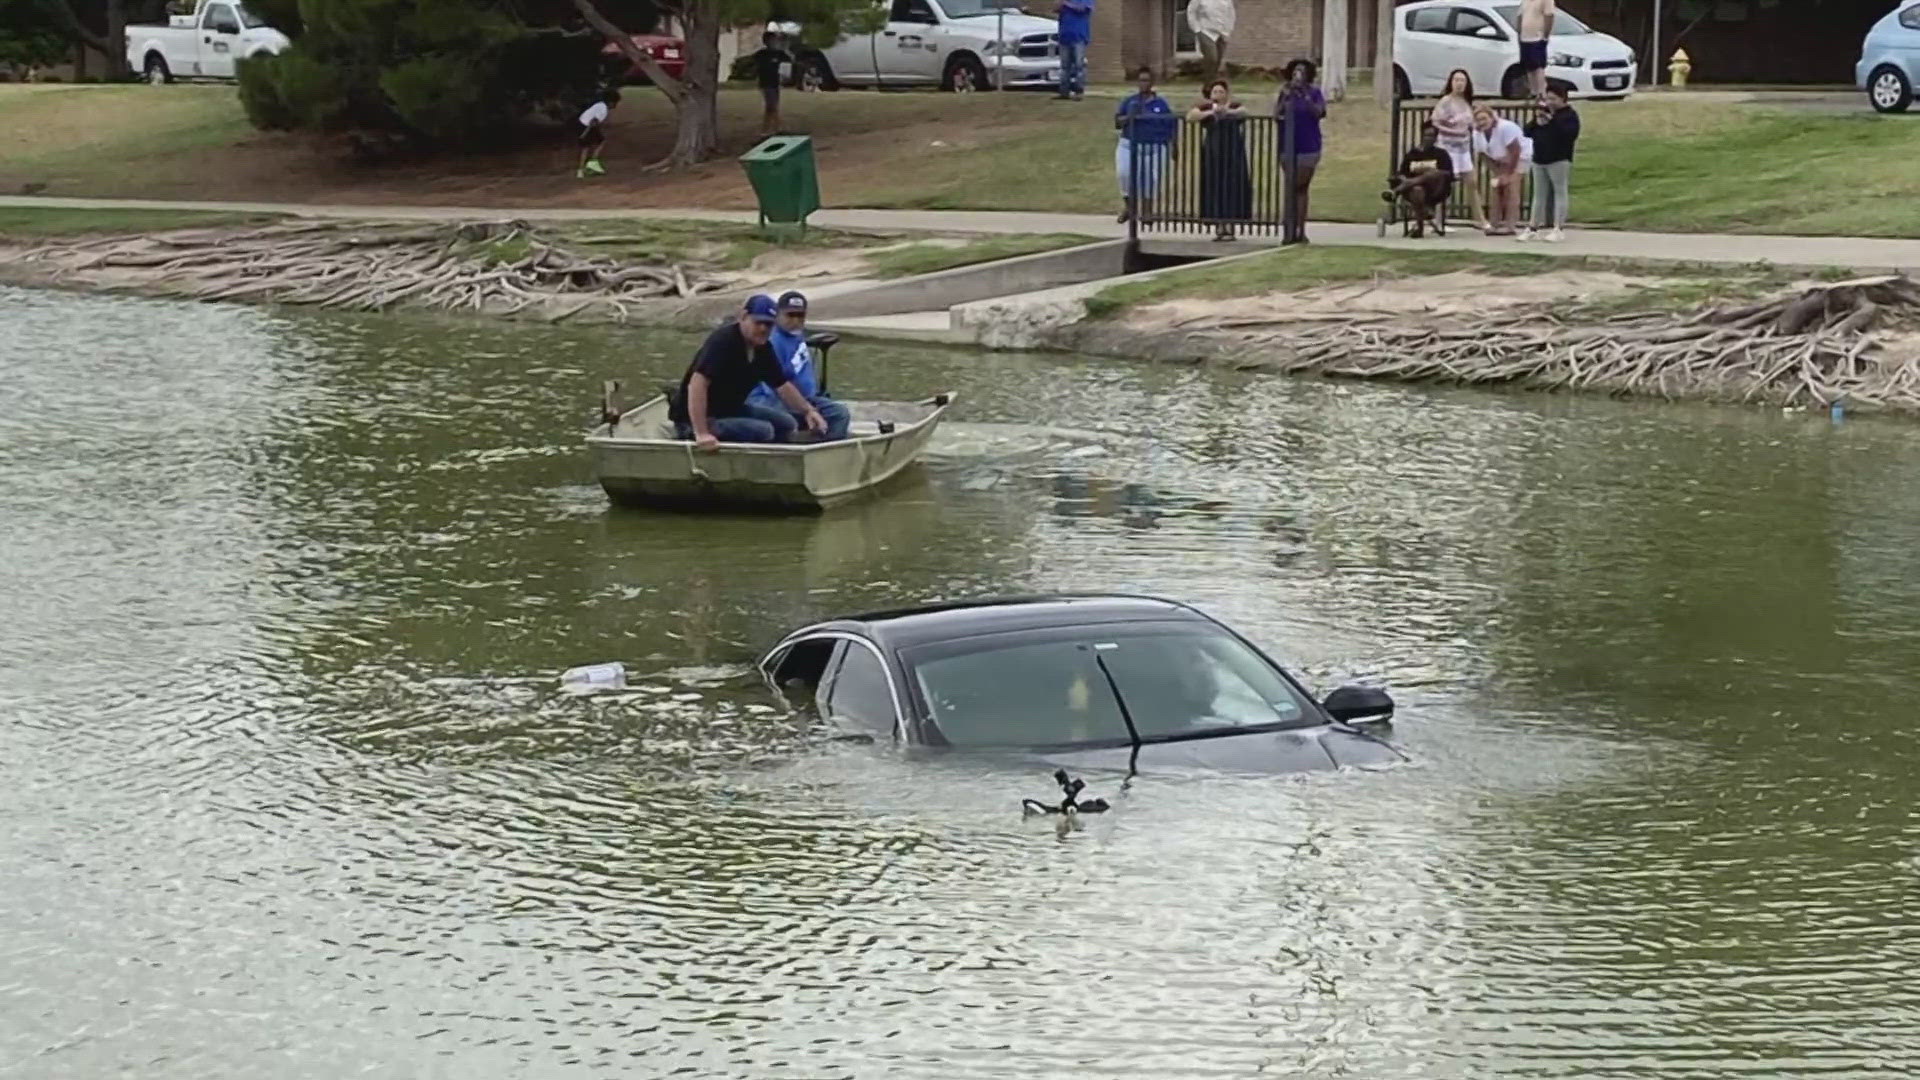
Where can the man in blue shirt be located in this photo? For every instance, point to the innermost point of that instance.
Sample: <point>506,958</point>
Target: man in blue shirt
<point>1076,30</point>
<point>796,361</point>
<point>1146,125</point>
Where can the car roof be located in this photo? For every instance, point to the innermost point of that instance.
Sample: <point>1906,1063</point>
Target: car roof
<point>904,627</point>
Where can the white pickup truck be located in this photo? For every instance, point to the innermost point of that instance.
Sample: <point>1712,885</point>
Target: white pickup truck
<point>952,44</point>
<point>203,45</point>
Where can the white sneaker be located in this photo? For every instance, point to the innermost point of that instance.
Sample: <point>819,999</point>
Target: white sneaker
<point>1524,235</point>
<point>1555,236</point>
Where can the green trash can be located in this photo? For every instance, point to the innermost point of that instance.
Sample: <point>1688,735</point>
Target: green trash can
<point>783,178</point>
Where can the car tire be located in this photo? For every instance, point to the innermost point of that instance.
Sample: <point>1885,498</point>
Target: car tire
<point>1402,86</point>
<point>1888,90</point>
<point>1513,85</point>
<point>816,73</point>
<point>156,71</point>
<point>963,74</point>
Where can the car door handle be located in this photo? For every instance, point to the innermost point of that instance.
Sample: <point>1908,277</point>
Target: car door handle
<point>890,33</point>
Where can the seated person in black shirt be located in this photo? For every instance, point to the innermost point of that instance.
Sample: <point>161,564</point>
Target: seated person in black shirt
<point>1424,180</point>
<point>711,406</point>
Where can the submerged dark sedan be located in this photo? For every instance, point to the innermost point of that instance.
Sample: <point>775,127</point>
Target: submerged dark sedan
<point>1095,681</point>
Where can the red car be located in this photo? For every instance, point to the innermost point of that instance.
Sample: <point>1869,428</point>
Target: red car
<point>669,52</point>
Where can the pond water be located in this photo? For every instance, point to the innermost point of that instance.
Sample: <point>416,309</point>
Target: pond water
<point>288,787</point>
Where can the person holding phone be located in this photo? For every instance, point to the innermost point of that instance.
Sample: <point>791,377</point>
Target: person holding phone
<point>1300,107</point>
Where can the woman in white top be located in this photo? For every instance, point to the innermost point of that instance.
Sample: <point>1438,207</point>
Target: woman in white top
<point>1453,118</point>
<point>1505,147</point>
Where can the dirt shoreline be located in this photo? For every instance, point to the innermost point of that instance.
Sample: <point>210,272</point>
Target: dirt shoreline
<point>1809,345</point>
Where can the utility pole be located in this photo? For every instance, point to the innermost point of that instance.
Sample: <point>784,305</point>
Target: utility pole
<point>1383,53</point>
<point>1653,61</point>
<point>1333,49</point>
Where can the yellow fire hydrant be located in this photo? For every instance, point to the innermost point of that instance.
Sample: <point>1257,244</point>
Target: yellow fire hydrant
<point>1679,67</point>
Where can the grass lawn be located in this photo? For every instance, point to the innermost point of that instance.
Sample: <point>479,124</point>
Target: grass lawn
<point>34,222</point>
<point>928,258</point>
<point>1659,162</point>
<point>1670,285</point>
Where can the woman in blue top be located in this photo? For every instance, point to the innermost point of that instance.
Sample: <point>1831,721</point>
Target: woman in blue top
<point>1302,105</point>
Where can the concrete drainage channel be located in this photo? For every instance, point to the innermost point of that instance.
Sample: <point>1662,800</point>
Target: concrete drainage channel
<point>1009,304</point>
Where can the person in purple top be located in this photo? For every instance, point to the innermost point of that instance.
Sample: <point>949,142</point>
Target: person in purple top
<point>1302,106</point>
<point>1076,30</point>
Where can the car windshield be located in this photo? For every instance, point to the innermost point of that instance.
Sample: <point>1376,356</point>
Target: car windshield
<point>248,19</point>
<point>1564,25</point>
<point>1056,688</point>
<point>964,9</point>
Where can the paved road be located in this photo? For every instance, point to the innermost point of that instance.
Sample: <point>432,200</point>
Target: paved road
<point>1858,252</point>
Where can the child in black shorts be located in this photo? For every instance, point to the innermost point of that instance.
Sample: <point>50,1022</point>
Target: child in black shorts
<point>593,134</point>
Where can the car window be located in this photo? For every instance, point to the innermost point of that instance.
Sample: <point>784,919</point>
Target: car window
<point>1057,688</point>
<point>1470,23</point>
<point>1910,18</point>
<point>859,695</point>
<point>220,18</point>
<point>914,11</point>
<point>799,670</point>
<point>1045,693</point>
<point>1428,20</point>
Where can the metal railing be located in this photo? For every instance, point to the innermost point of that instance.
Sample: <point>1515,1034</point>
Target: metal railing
<point>1404,135</point>
<point>1225,175</point>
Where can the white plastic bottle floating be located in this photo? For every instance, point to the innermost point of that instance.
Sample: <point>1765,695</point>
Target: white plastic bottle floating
<point>593,676</point>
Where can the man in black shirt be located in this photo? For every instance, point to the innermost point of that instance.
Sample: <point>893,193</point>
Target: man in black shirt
<point>766,70</point>
<point>1425,178</point>
<point>711,406</point>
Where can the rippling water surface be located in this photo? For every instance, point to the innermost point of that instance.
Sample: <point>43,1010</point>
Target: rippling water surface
<point>287,786</point>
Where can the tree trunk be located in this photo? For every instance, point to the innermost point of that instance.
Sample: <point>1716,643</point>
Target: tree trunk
<point>1333,49</point>
<point>1383,54</point>
<point>116,40</point>
<point>699,110</point>
<point>624,42</point>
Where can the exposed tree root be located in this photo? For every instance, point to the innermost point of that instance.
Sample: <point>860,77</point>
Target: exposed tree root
<point>502,268</point>
<point>1812,347</point>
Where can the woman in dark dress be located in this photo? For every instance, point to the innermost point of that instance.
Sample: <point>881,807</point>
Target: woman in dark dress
<point>1226,183</point>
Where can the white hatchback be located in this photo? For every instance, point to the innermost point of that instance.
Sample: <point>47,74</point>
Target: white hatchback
<point>1483,38</point>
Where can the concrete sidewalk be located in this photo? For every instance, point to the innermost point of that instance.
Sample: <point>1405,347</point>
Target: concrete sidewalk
<point>1861,253</point>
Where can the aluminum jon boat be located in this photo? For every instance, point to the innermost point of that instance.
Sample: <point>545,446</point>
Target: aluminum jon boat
<point>639,462</point>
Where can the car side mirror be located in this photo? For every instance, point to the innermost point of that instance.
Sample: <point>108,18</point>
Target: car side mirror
<point>1489,32</point>
<point>1359,705</point>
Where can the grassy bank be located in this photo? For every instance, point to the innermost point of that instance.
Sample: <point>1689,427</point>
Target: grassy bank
<point>27,223</point>
<point>1658,286</point>
<point>1659,162</point>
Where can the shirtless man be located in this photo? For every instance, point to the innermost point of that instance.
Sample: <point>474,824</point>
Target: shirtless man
<point>1536,26</point>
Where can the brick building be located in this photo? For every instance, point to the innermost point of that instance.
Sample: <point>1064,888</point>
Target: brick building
<point>1130,34</point>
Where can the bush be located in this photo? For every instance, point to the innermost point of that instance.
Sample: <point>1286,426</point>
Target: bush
<point>386,74</point>
<point>443,98</point>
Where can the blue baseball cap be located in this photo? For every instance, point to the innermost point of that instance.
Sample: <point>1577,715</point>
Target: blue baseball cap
<point>761,308</point>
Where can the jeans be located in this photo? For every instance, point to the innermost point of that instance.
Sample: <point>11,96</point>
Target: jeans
<point>1550,189</point>
<point>1073,67</point>
<point>1153,160</point>
<point>838,418</point>
<point>755,423</point>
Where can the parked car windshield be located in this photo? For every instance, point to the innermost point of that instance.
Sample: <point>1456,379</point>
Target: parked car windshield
<point>961,9</point>
<point>1563,23</point>
<point>248,19</point>
<point>1056,688</point>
